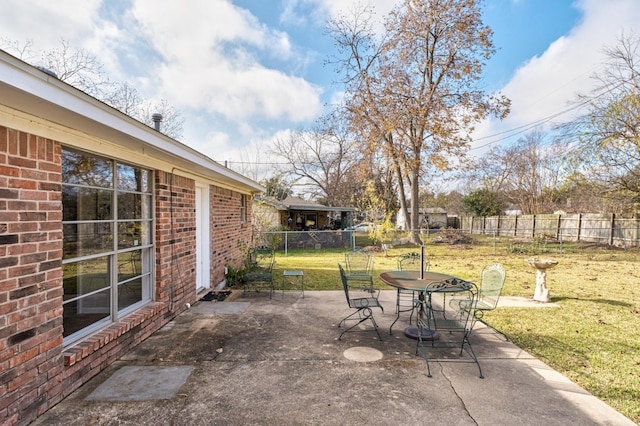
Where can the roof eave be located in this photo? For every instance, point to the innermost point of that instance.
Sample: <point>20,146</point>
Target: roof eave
<point>32,91</point>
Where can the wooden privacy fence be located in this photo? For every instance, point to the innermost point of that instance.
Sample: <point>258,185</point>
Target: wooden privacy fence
<point>586,227</point>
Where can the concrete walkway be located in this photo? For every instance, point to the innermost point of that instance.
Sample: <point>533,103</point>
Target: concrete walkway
<point>251,360</point>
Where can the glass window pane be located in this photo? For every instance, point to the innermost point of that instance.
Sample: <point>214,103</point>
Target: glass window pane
<point>133,234</point>
<point>129,265</point>
<point>86,276</point>
<point>86,204</point>
<point>83,239</point>
<point>86,169</point>
<point>132,178</point>
<point>90,185</point>
<point>90,281</point>
<point>129,293</point>
<point>75,317</point>
<point>129,205</point>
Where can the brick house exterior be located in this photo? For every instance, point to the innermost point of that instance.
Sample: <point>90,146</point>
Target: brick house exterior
<point>198,221</point>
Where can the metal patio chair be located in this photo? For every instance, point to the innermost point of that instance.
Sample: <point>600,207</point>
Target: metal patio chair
<point>492,279</point>
<point>260,273</point>
<point>440,338</point>
<point>361,305</point>
<point>359,268</point>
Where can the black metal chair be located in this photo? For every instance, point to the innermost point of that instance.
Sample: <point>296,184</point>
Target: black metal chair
<point>359,269</point>
<point>260,273</point>
<point>440,336</point>
<point>361,305</point>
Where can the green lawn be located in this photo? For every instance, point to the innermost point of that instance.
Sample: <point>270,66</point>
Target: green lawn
<point>593,337</point>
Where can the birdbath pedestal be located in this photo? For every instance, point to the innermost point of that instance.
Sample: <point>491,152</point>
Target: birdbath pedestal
<point>542,292</point>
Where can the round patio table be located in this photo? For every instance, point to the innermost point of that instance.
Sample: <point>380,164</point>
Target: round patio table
<point>414,281</point>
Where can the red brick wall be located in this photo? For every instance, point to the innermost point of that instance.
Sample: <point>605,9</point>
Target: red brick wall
<point>230,239</point>
<point>35,371</point>
<point>30,275</point>
<point>175,241</point>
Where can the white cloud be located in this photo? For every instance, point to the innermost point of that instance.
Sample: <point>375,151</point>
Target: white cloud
<point>546,84</point>
<point>47,21</point>
<point>209,53</point>
<point>300,12</point>
<point>336,7</point>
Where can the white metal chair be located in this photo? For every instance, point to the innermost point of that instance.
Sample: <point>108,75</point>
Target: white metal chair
<point>492,279</point>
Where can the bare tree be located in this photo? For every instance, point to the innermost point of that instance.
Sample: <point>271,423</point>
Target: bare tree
<point>125,98</point>
<point>322,160</point>
<point>83,70</point>
<point>79,68</point>
<point>609,133</point>
<point>526,173</point>
<point>411,93</point>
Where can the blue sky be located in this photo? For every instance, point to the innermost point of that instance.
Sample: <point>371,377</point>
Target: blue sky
<point>244,72</point>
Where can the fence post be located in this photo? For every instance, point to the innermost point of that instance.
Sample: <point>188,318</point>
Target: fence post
<point>611,229</point>
<point>558,227</point>
<point>286,243</point>
<point>560,239</point>
<point>579,227</point>
<point>533,226</point>
<point>495,243</point>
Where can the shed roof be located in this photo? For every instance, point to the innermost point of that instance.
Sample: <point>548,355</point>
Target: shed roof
<point>295,203</point>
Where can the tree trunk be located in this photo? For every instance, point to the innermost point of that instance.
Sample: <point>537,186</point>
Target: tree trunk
<point>415,207</point>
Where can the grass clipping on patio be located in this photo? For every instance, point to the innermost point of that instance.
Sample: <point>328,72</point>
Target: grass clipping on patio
<point>593,337</point>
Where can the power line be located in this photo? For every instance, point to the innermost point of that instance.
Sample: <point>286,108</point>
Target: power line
<point>525,127</point>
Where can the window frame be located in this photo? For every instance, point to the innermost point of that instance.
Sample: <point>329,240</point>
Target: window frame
<point>117,247</point>
<point>243,208</point>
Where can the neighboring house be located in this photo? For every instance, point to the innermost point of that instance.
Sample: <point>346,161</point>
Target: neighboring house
<point>301,215</point>
<point>430,218</point>
<point>311,225</point>
<point>108,229</point>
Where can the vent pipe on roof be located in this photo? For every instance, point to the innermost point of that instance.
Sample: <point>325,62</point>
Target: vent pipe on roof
<point>47,71</point>
<point>157,119</point>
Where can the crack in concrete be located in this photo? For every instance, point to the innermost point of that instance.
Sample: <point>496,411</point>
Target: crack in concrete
<point>455,392</point>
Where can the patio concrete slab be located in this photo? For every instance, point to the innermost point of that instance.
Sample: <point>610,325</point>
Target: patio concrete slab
<point>280,362</point>
<point>213,307</point>
<point>140,383</point>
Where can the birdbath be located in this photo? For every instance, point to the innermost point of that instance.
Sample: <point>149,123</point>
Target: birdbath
<point>542,292</point>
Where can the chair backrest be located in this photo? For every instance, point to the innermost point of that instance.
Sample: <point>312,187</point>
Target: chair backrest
<point>411,262</point>
<point>492,281</point>
<point>358,262</point>
<point>264,259</point>
<point>345,284</point>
